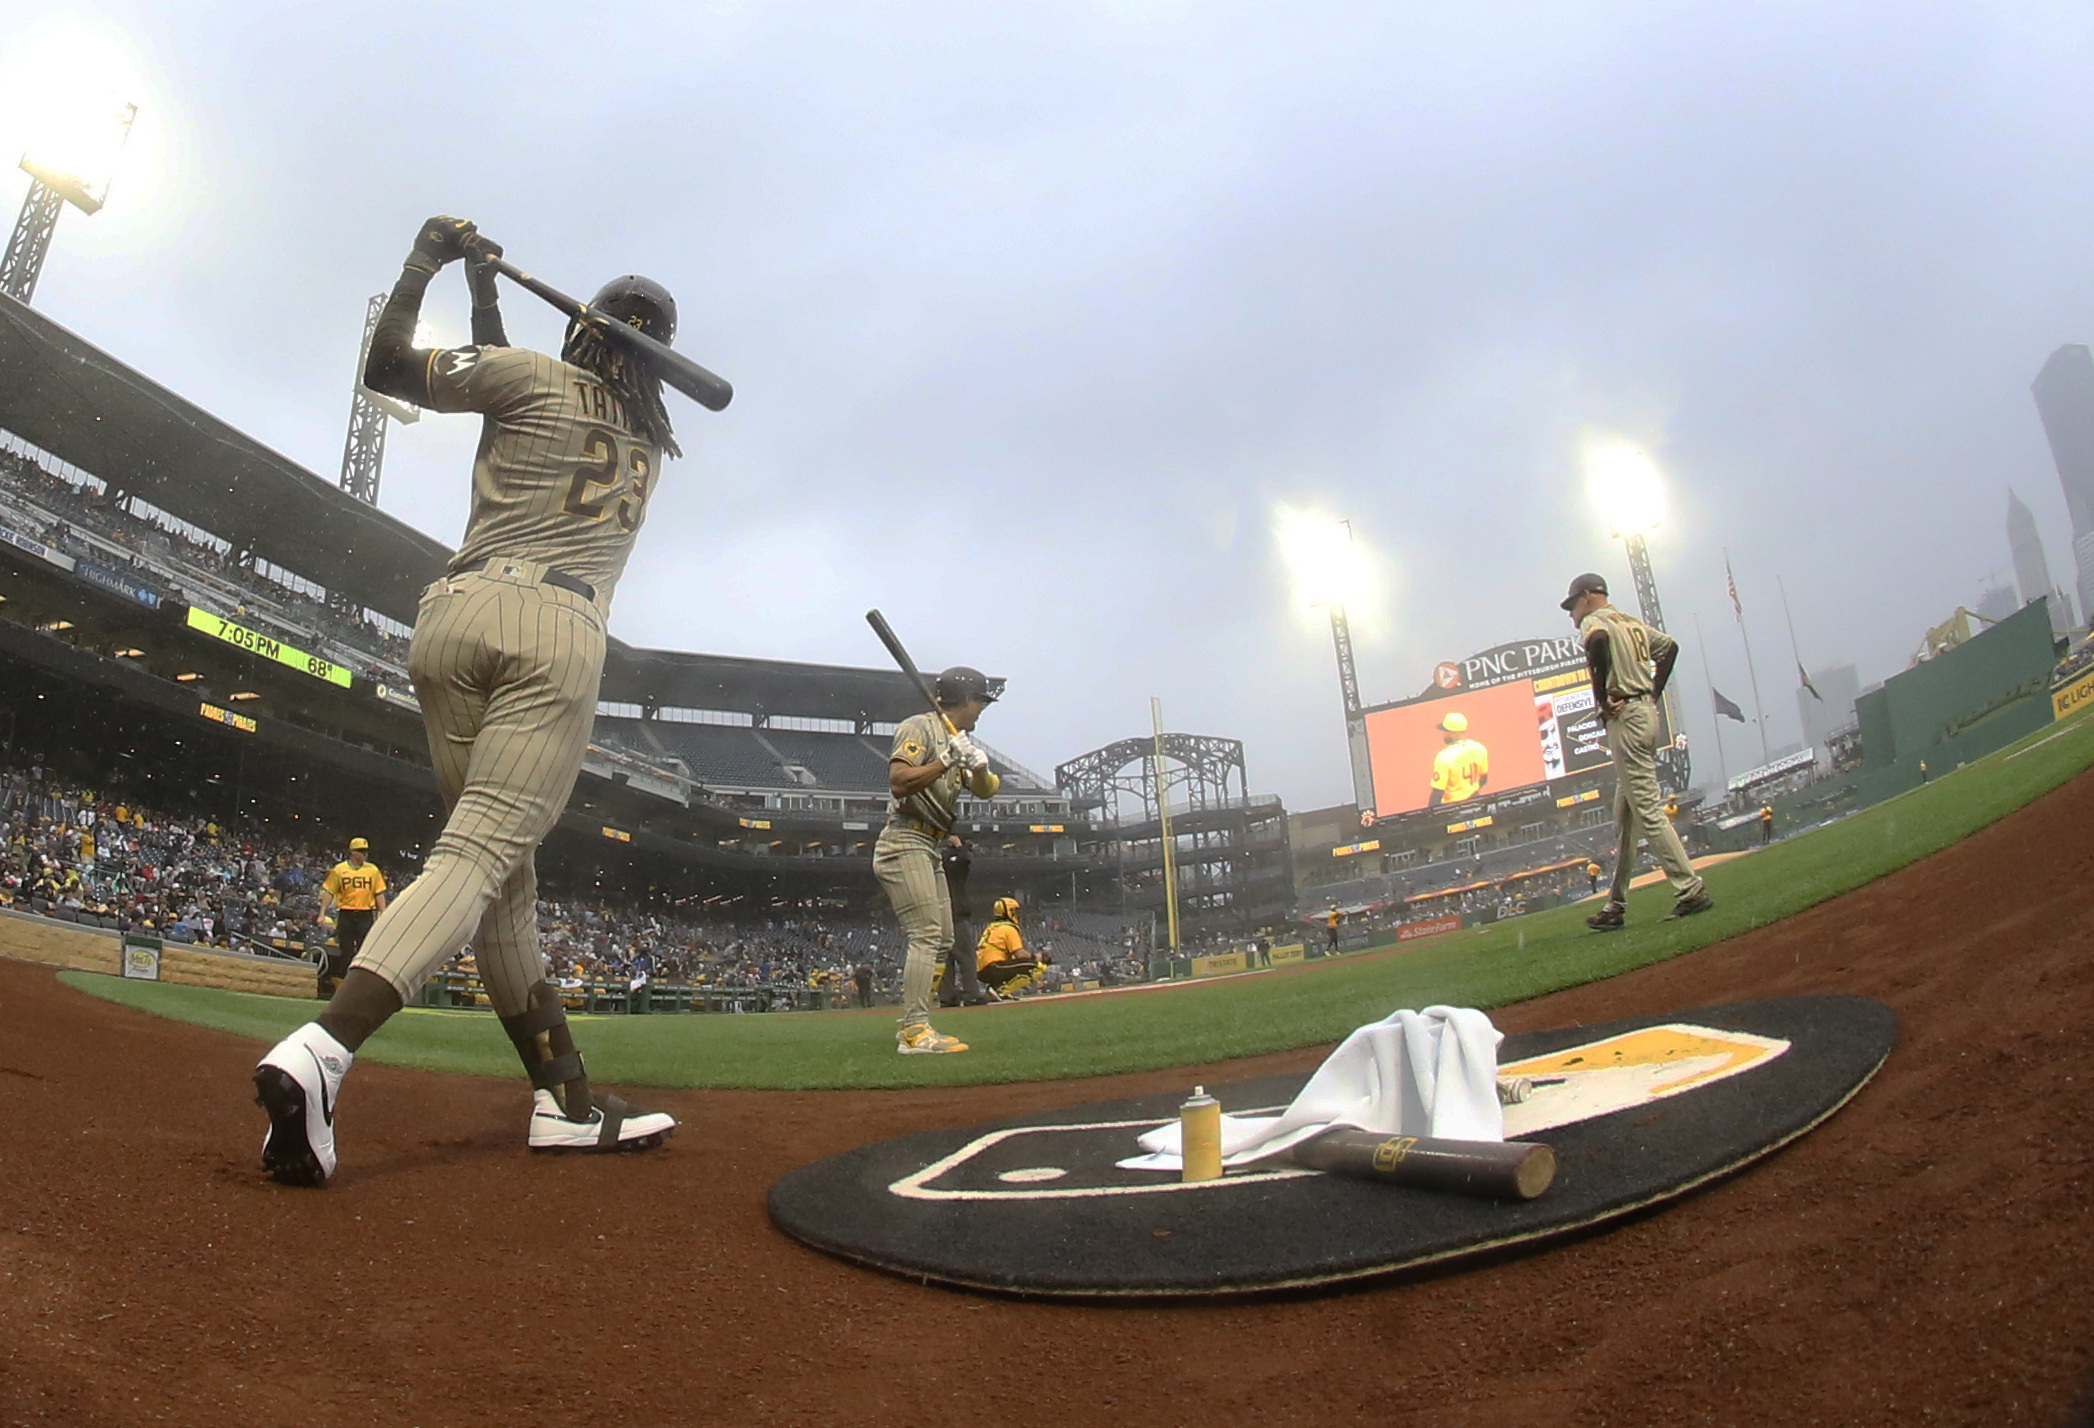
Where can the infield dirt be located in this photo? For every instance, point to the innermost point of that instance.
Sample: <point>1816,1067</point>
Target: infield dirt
<point>1924,1257</point>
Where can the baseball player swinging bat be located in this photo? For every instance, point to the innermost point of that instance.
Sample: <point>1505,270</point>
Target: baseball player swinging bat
<point>709,390</point>
<point>1494,1170</point>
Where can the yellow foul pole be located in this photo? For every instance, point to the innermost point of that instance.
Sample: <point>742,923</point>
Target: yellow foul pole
<point>1163,809</point>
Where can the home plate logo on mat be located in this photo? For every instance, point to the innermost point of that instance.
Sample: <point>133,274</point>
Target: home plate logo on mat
<point>1621,1072</point>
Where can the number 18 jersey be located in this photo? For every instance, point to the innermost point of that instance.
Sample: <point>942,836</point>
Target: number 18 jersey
<point>560,478</point>
<point>1632,649</point>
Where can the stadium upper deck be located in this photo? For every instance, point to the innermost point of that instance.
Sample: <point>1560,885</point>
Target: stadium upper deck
<point>164,515</point>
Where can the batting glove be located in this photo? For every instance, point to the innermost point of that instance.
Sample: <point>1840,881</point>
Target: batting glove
<point>440,240</point>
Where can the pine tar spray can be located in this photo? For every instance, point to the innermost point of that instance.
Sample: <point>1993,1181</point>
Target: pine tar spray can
<point>1199,1129</point>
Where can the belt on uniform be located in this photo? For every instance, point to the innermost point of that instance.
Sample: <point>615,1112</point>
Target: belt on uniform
<point>921,826</point>
<point>559,578</point>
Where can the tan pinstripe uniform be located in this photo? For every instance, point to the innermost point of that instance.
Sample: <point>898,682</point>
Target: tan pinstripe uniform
<point>905,860</point>
<point>506,666</point>
<point>1632,739</point>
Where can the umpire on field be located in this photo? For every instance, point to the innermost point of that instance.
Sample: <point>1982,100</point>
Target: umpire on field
<point>1630,663</point>
<point>932,761</point>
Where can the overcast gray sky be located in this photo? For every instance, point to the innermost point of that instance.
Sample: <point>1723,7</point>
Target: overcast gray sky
<point>1039,314</point>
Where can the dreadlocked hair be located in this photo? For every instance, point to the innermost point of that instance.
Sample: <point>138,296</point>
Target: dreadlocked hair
<point>629,379</point>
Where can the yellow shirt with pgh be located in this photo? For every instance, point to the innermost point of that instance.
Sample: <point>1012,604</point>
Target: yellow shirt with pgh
<point>1458,770</point>
<point>355,889</point>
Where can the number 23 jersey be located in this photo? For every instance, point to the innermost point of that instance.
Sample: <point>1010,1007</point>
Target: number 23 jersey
<point>560,477</point>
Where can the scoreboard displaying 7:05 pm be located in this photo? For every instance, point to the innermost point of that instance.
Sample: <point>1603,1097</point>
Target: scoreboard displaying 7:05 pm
<point>254,642</point>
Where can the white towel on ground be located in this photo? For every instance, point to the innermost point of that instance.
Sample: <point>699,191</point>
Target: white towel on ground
<point>1432,1073</point>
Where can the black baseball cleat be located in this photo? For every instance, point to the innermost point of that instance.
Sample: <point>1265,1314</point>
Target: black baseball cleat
<point>1611,918</point>
<point>1688,906</point>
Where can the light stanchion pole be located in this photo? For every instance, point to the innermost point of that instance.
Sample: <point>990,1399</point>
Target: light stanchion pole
<point>1163,816</point>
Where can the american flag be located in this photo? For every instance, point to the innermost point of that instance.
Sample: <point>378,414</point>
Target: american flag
<point>1732,580</point>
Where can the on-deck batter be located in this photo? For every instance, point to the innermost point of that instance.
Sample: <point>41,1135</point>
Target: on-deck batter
<point>932,761</point>
<point>507,654</point>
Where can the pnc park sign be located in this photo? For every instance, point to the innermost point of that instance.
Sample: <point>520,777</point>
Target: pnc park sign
<point>1501,664</point>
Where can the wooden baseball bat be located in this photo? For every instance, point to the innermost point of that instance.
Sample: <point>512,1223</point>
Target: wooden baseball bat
<point>709,390</point>
<point>1495,1170</point>
<point>901,657</point>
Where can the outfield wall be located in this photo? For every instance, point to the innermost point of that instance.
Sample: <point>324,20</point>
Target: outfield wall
<point>25,937</point>
<point>1959,706</point>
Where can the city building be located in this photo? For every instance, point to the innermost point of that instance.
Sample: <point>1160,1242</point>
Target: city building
<point>2032,566</point>
<point>1996,602</point>
<point>1821,718</point>
<point>2064,392</point>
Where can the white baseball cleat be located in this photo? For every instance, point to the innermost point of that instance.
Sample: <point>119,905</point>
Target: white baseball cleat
<point>297,1083</point>
<point>612,1125</point>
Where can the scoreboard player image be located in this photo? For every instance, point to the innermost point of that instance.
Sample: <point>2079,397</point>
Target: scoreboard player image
<point>1462,766</point>
<point>1506,718</point>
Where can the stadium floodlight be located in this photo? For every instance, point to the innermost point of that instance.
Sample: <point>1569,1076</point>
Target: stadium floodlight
<point>239,694</point>
<point>189,677</point>
<point>1625,484</point>
<point>75,154</point>
<point>1325,565</point>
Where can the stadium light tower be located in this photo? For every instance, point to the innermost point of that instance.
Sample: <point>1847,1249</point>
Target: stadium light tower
<point>363,453</point>
<point>1630,493</point>
<point>1328,572</point>
<point>75,165</point>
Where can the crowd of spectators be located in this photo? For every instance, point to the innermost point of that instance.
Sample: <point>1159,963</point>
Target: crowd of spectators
<point>174,543</point>
<point>100,859</point>
<point>97,857</point>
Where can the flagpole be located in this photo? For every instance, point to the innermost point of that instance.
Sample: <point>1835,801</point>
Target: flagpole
<point>1780,585</point>
<point>1715,720</point>
<point>1758,708</point>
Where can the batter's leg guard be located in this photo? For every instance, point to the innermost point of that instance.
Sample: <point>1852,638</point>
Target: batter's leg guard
<point>547,1050</point>
<point>566,1114</point>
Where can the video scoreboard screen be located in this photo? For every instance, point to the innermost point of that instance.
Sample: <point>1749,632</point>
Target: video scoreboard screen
<point>1507,718</point>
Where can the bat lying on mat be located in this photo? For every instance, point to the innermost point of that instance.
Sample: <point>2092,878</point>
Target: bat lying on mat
<point>709,390</point>
<point>1494,1170</point>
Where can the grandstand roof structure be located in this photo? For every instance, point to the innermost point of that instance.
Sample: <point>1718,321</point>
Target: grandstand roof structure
<point>87,408</point>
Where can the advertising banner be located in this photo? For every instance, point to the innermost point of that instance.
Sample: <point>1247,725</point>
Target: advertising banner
<point>1219,965</point>
<point>37,548</point>
<point>2073,696</point>
<point>141,958</point>
<point>116,584</point>
<point>1430,927</point>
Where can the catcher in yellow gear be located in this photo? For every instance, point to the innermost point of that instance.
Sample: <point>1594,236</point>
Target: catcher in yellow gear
<point>1000,958</point>
<point>1462,768</point>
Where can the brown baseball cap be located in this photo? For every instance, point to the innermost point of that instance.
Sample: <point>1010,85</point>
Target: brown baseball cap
<point>1586,584</point>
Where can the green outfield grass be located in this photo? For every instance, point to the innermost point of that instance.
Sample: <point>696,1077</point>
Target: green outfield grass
<point>1241,1016</point>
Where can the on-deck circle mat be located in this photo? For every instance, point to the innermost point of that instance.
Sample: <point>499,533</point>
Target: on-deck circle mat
<point>1639,1112</point>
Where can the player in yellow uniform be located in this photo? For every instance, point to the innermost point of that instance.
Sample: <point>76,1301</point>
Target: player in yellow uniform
<point>507,658</point>
<point>1000,958</point>
<point>1462,767</point>
<point>1630,663</point>
<point>355,894</point>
